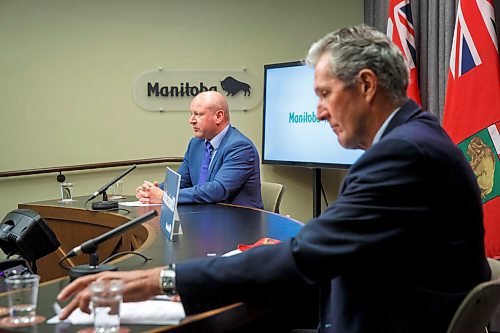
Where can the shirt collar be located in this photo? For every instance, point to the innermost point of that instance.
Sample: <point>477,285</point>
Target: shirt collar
<point>382,128</point>
<point>215,142</point>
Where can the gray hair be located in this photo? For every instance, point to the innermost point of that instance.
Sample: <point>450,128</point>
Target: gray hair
<point>355,48</point>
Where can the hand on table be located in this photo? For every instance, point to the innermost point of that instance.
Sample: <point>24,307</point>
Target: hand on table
<point>149,193</point>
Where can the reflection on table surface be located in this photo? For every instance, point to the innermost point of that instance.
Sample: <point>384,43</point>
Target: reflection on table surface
<point>207,230</point>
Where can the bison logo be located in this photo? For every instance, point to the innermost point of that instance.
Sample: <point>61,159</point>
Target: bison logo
<point>233,86</point>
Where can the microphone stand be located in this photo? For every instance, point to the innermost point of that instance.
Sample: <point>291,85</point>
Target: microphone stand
<point>92,268</point>
<point>90,247</point>
<point>105,204</point>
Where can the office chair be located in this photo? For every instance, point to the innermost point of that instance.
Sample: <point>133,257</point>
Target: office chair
<point>272,193</point>
<point>475,311</point>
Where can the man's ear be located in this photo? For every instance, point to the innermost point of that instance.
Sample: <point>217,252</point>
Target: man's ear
<point>219,116</point>
<point>369,83</point>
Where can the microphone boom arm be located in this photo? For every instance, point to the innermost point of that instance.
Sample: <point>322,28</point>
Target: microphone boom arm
<point>91,245</point>
<point>111,182</point>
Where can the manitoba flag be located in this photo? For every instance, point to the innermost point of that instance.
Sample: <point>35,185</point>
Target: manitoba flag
<point>472,106</point>
<point>400,31</point>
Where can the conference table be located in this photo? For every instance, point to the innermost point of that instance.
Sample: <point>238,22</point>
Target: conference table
<point>208,230</point>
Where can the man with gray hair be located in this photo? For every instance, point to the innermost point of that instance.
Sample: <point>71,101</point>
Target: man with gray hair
<point>401,246</point>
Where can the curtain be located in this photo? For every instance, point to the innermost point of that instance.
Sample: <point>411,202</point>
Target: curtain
<point>434,22</point>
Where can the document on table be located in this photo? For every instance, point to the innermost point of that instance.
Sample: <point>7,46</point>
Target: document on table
<point>152,312</point>
<point>137,204</point>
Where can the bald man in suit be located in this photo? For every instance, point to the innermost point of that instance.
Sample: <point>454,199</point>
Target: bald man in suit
<point>233,174</point>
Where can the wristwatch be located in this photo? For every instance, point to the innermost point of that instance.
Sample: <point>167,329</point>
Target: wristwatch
<point>167,280</point>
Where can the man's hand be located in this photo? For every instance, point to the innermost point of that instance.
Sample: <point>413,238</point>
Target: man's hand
<point>139,285</point>
<point>149,193</point>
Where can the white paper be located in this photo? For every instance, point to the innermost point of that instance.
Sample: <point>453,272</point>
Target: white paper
<point>152,312</point>
<point>137,204</point>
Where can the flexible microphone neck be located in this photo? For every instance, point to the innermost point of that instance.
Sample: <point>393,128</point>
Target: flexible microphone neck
<point>110,183</point>
<point>91,245</point>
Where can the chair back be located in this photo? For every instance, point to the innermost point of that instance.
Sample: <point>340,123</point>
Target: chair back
<point>495,318</point>
<point>272,193</point>
<point>495,268</point>
<point>477,308</point>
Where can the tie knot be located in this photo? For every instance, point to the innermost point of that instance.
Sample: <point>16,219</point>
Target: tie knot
<point>208,146</point>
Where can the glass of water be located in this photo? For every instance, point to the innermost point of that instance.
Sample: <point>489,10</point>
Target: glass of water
<point>22,296</point>
<point>116,190</point>
<point>106,298</point>
<point>66,192</point>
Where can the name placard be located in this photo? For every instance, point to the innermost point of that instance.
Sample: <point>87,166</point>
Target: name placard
<point>169,218</point>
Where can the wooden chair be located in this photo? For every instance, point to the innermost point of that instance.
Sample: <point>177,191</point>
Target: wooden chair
<point>272,193</point>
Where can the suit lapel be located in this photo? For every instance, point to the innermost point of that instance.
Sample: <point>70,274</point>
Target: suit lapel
<point>220,150</point>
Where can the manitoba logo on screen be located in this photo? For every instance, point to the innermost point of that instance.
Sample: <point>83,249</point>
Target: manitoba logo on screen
<point>302,118</point>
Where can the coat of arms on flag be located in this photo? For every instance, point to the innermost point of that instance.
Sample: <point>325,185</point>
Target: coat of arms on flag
<point>482,151</point>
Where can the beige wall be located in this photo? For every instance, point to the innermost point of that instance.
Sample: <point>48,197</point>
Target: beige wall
<point>67,68</point>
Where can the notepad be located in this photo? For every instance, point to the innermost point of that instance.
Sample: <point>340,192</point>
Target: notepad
<point>152,312</point>
<point>137,204</point>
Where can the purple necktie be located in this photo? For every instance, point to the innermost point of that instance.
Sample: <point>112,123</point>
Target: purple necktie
<point>205,163</point>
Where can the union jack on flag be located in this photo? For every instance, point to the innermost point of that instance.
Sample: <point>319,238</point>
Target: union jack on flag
<point>464,55</point>
<point>400,30</point>
<point>488,14</point>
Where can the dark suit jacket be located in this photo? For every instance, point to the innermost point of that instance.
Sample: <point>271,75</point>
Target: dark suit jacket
<point>397,252</point>
<point>234,174</point>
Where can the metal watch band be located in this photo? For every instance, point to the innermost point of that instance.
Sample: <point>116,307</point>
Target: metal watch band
<point>167,280</point>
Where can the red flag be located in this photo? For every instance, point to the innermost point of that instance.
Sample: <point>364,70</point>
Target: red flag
<point>472,106</point>
<point>400,31</point>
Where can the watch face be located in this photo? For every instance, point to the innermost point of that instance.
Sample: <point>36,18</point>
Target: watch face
<point>167,281</point>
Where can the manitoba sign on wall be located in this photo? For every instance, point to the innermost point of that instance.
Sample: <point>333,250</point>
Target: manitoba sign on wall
<point>172,90</point>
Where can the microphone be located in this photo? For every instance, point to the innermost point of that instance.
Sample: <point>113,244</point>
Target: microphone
<point>105,204</point>
<point>91,245</point>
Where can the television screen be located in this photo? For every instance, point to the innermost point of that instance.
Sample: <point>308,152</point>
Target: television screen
<point>292,135</point>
